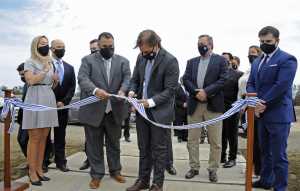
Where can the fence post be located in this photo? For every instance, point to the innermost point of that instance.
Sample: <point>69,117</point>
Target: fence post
<point>7,185</point>
<point>250,137</point>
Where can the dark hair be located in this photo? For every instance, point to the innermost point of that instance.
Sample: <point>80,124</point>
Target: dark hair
<point>20,67</point>
<point>210,39</point>
<point>258,50</point>
<point>269,30</point>
<point>148,37</point>
<point>237,59</point>
<point>229,54</point>
<point>93,41</point>
<point>105,35</point>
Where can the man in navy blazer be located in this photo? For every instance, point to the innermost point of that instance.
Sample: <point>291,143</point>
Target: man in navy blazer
<point>204,79</point>
<point>271,78</point>
<point>64,91</point>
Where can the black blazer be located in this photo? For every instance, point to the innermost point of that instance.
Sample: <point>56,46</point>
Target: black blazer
<point>213,83</point>
<point>231,86</point>
<point>66,90</point>
<point>161,87</point>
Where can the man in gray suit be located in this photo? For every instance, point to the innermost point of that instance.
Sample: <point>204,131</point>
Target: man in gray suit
<point>154,82</point>
<point>101,74</point>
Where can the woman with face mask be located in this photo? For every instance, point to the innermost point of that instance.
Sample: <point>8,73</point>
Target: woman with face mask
<point>40,77</point>
<point>253,53</point>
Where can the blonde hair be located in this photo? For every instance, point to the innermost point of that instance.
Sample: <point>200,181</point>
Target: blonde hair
<point>35,55</point>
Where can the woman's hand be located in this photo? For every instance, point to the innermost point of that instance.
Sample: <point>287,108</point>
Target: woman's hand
<point>55,80</point>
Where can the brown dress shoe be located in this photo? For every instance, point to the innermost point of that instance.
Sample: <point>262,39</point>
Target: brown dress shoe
<point>119,178</point>
<point>155,187</point>
<point>95,183</point>
<point>138,185</point>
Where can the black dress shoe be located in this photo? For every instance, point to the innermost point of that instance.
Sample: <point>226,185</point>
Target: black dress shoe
<point>213,177</point>
<point>85,165</point>
<point>43,178</point>
<point>258,184</point>
<point>229,164</point>
<point>127,139</point>
<point>171,170</point>
<point>191,174</point>
<point>63,168</point>
<point>35,183</point>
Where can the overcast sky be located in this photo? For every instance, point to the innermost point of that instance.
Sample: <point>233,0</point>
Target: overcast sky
<point>233,24</point>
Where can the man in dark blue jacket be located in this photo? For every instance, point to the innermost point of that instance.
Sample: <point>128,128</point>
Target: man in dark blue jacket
<point>271,78</point>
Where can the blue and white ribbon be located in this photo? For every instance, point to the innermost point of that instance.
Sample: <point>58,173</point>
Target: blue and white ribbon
<point>10,104</point>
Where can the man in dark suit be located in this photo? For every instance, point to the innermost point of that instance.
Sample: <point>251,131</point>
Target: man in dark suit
<point>204,80</point>
<point>230,125</point>
<point>101,74</point>
<point>154,82</point>
<point>272,77</point>
<point>64,91</point>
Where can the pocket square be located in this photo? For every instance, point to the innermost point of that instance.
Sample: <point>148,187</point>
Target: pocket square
<point>273,65</point>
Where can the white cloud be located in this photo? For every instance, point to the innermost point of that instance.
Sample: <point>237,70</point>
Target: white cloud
<point>233,24</point>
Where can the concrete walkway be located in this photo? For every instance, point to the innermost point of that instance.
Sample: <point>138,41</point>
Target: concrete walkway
<point>229,179</point>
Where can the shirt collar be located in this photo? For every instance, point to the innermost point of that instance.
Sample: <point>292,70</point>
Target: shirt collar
<point>55,60</point>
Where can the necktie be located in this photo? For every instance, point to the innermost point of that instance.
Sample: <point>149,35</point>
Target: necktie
<point>147,79</point>
<point>263,64</point>
<point>60,71</point>
<point>107,67</point>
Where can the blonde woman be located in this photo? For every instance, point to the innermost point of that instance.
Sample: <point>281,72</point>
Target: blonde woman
<point>40,77</point>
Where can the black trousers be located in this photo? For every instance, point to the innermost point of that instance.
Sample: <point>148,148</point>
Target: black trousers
<point>60,138</point>
<point>256,151</point>
<point>94,146</point>
<point>230,135</point>
<point>153,148</point>
<point>126,127</point>
<point>181,134</point>
<point>170,151</point>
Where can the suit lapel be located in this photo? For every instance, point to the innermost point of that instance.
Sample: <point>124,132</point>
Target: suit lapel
<point>113,68</point>
<point>158,60</point>
<point>195,69</point>
<point>100,64</point>
<point>209,67</point>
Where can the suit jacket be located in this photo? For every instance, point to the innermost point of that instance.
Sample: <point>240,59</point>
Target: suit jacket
<point>161,87</point>
<point>231,86</point>
<point>273,84</point>
<point>213,83</point>
<point>92,74</point>
<point>180,99</point>
<point>66,90</point>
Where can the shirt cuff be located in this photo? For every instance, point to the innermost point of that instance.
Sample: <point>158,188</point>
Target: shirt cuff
<point>94,92</point>
<point>151,103</point>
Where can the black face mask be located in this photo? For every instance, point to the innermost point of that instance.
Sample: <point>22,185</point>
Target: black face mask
<point>268,48</point>
<point>23,79</point>
<point>107,53</point>
<point>94,51</point>
<point>59,53</point>
<point>43,50</point>
<point>203,49</point>
<point>149,56</point>
<point>252,58</point>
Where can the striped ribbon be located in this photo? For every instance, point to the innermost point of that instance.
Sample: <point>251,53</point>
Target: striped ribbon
<point>10,104</point>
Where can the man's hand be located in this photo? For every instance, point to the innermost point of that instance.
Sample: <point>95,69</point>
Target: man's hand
<point>201,95</point>
<point>121,93</point>
<point>144,102</point>
<point>101,94</point>
<point>60,104</point>
<point>131,94</point>
<point>260,108</point>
